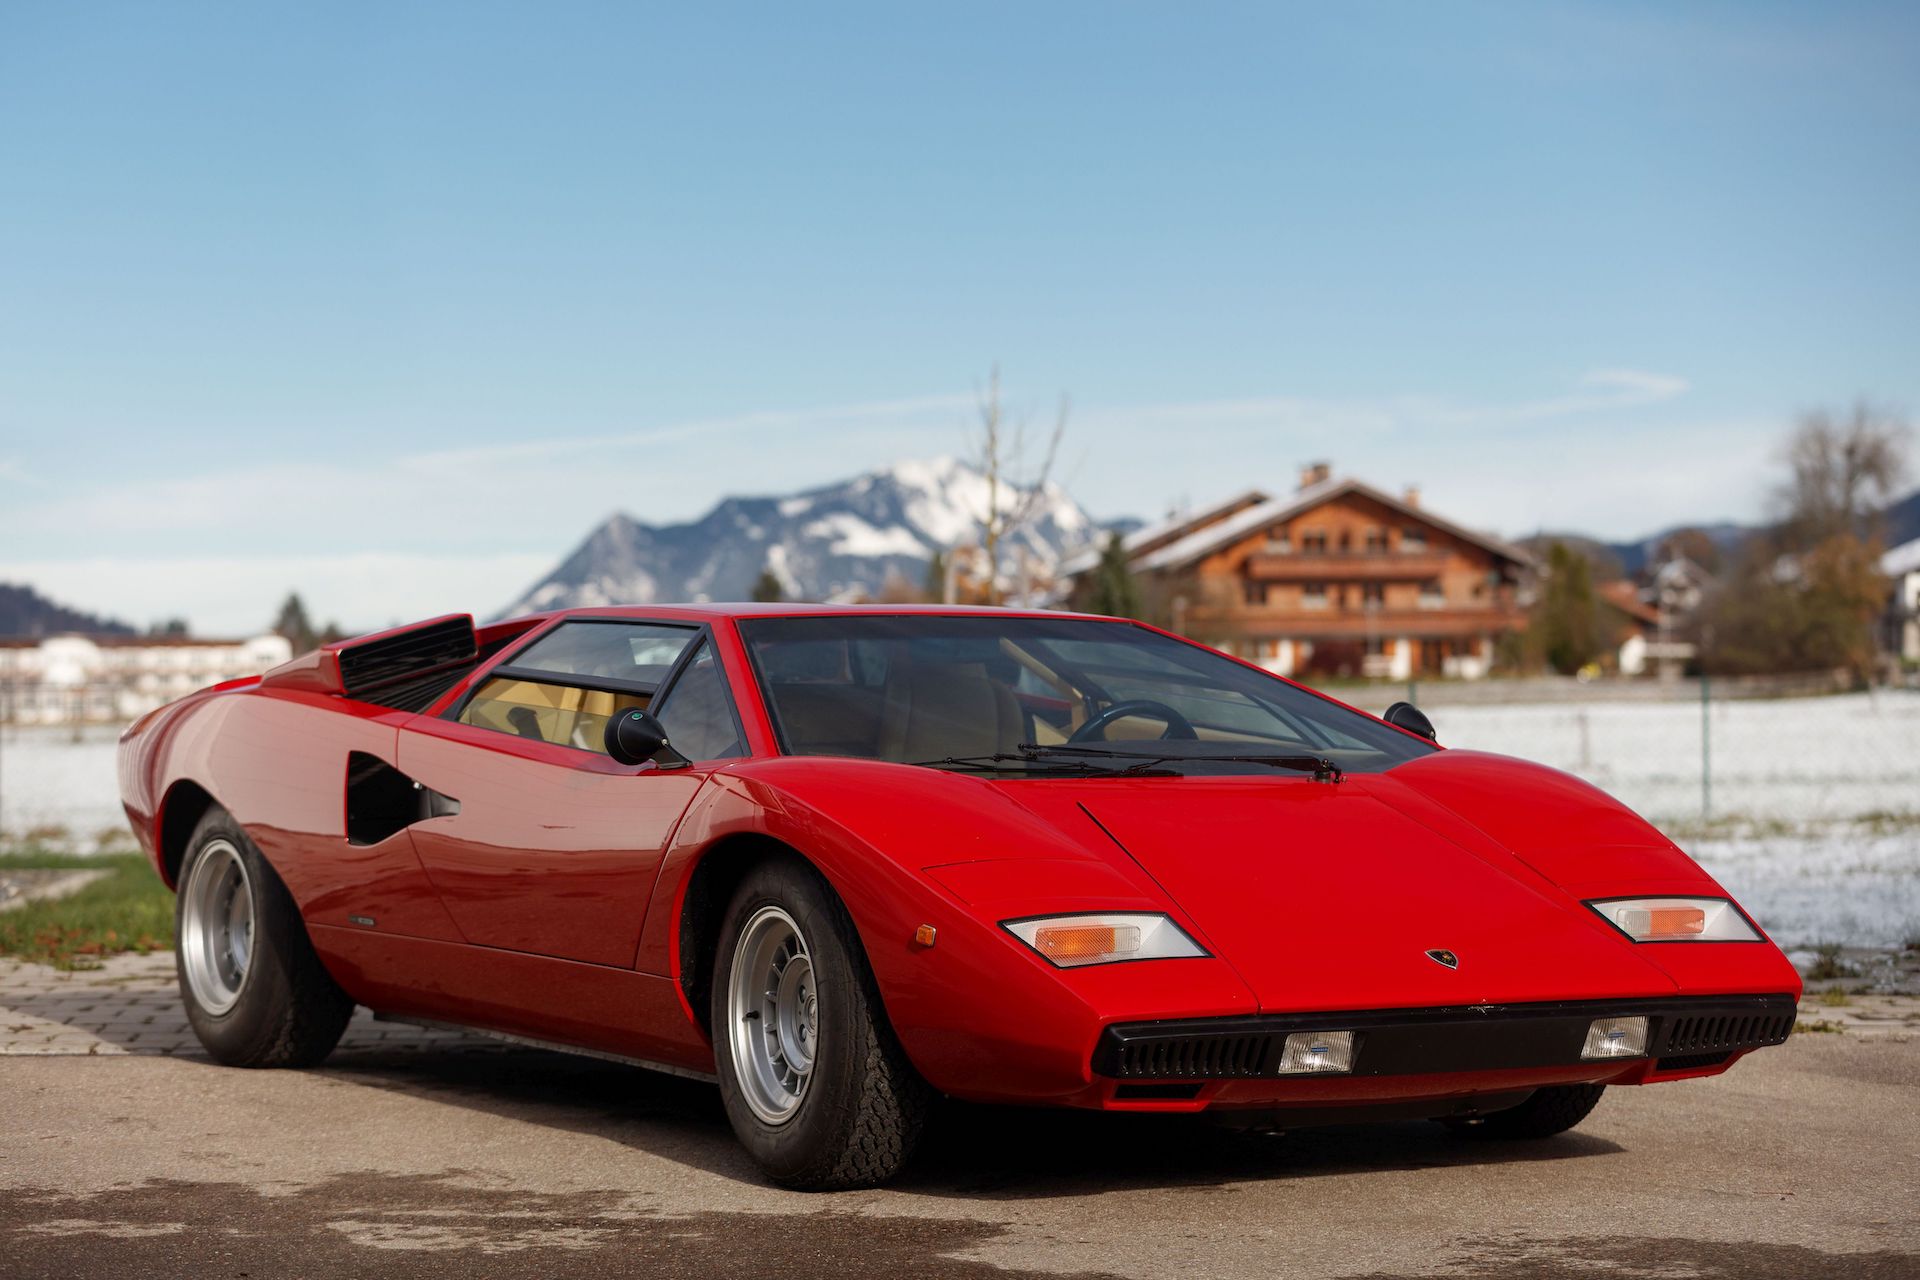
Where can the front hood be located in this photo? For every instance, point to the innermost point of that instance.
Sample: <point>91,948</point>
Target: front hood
<point>1328,896</point>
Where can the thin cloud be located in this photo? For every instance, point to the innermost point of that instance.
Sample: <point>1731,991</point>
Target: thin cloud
<point>11,471</point>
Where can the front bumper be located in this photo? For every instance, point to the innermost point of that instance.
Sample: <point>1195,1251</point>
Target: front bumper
<point>1684,1034</point>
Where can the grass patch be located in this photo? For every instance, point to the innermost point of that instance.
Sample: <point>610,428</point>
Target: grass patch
<point>129,909</point>
<point>37,860</point>
<point>1827,964</point>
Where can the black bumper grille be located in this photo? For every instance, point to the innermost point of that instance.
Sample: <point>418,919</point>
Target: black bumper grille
<point>1431,1041</point>
<point>1196,1057</point>
<point>1721,1032</point>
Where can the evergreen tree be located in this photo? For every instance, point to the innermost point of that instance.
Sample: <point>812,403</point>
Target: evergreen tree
<point>1114,590</point>
<point>767,588</point>
<point>294,624</point>
<point>1567,622</point>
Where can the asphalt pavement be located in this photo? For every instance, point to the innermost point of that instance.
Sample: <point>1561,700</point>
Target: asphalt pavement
<point>445,1156</point>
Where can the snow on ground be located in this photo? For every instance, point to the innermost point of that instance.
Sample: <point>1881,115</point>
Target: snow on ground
<point>56,779</point>
<point>1855,884</point>
<point>1815,801</point>
<point>1785,759</point>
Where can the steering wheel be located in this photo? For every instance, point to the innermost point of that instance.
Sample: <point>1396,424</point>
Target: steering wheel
<point>1178,726</point>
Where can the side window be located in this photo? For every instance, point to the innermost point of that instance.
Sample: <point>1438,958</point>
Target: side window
<point>564,687</point>
<point>698,714</point>
<point>636,652</point>
<point>564,716</point>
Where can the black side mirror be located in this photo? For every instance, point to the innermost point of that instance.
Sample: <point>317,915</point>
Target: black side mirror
<point>635,737</point>
<point>1404,715</point>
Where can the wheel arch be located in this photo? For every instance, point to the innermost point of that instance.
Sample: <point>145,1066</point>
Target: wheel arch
<point>703,906</point>
<point>185,804</point>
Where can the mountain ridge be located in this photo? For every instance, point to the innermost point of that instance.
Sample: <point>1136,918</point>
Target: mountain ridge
<point>831,541</point>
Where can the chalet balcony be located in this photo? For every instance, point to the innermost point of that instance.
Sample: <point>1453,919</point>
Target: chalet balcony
<point>1452,620</point>
<point>1345,566</point>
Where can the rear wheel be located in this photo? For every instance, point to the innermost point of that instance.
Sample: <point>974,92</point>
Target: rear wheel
<point>1554,1109</point>
<point>814,1082</point>
<point>255,992</point>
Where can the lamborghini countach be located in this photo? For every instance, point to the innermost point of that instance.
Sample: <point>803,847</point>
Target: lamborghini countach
<point>845,861</point>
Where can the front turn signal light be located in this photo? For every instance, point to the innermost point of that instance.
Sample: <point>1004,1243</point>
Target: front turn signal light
<point>1071,942</point>
<point>1676,919</point>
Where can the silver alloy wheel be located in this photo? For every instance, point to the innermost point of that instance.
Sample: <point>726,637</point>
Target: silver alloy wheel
<point>216,927</point>
<point>774,1012</point>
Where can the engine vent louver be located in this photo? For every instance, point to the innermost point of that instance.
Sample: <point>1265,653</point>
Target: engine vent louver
<point>409,669</point>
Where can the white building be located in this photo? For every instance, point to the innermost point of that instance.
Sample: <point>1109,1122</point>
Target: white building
<point>1902,564</point>
<point>76,679</point>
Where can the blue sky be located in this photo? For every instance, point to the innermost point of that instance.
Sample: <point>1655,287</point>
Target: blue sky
<point>393,302</point>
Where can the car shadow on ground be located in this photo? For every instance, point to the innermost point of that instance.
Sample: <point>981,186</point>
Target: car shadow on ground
<point>970,1151</point>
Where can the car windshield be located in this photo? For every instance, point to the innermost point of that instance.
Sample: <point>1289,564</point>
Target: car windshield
<point>1044,695</point>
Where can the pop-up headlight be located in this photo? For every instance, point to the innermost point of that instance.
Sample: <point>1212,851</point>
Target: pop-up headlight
<point>1071,942</point>
<point>1676,919</point>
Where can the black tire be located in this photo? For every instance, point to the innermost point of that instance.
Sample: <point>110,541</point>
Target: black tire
<point>1554,1109</point>
<point>864,1106</point>
<point>288,1011</point>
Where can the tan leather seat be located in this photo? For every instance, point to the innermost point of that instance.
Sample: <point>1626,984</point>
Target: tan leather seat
<point>829,719</point>
<point>937,711</point>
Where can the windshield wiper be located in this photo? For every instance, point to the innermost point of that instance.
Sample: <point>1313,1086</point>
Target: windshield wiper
<point>1027,762</point>
<point>1322,769</point>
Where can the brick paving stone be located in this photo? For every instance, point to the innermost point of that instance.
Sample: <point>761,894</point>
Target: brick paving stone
<point>130,1004</point>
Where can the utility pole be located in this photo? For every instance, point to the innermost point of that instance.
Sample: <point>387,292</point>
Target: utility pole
<point>1706,730</point>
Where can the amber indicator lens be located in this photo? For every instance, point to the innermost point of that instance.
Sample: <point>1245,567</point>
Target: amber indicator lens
<point>1676,922</point>
<point>1086,941</point>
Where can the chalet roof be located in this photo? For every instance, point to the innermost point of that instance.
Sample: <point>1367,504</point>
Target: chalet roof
<point>1204,542</point>
<point>1625,597</point>
<point>1147,534</point>
<point>1903,559</point>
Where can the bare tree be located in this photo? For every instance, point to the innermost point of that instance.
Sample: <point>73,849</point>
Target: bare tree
<point>1015,494</point>
<point>1844,471</point>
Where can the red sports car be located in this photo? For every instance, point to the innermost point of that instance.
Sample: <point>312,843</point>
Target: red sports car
<point>844,860</point>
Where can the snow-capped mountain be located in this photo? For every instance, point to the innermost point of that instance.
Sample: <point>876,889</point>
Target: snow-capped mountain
<point>829,543</point>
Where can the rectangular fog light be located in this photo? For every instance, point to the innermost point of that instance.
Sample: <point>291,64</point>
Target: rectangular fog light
<point>1314,1052</point>
<point>1616,1038</point>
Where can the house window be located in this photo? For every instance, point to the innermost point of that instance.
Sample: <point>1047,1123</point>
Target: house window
<point>1278,543</point>
<point>1432,596</point>
<point>1314,542</point>
<point>1313,595</point>
<point>1256,593</point>
<point>1346,540</point>
<point>1414,540</point>
<point>1376,541</point>
<point>1373,595</point>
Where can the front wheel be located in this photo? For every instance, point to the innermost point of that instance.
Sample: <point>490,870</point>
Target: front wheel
<point>255,992</point>
<point>815,1084</point>
<point>1554,1109</point>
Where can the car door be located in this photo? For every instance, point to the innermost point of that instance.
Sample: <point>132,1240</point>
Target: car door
<point>555,846</point>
